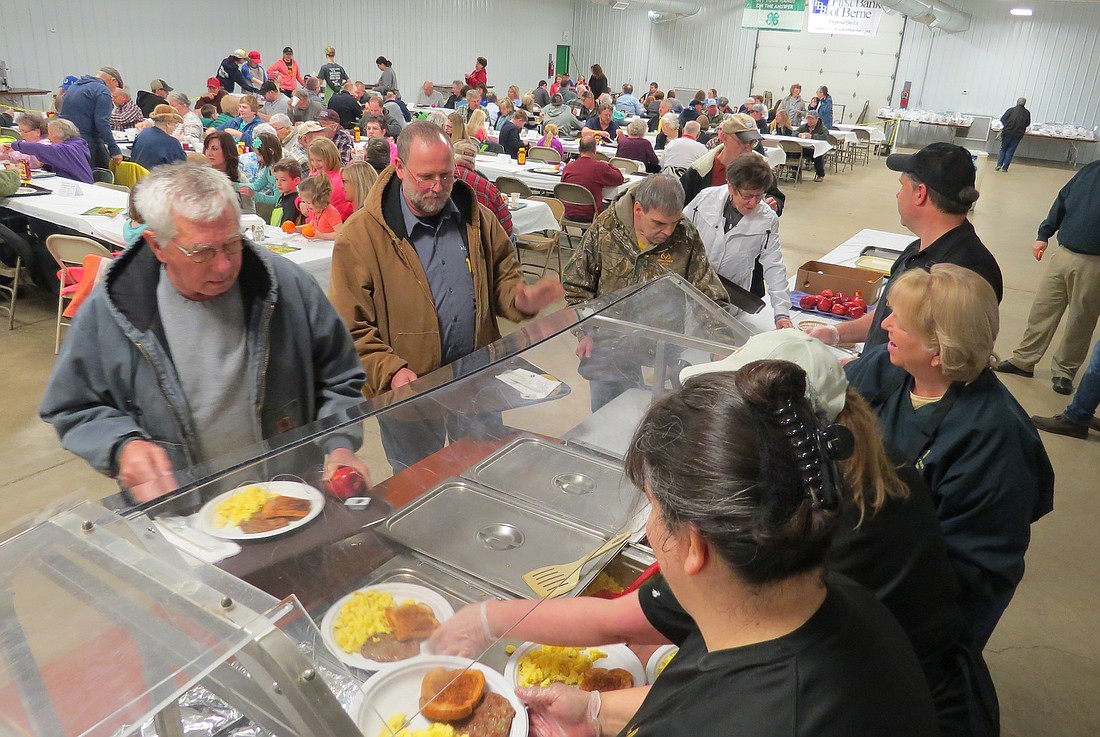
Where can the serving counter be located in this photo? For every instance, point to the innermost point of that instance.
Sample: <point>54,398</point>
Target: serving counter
<point>526,472</point>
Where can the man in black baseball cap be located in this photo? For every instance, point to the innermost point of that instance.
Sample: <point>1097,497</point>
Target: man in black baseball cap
<point>937,191</point>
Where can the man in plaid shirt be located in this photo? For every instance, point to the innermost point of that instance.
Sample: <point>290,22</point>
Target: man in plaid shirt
<point>487,192</point>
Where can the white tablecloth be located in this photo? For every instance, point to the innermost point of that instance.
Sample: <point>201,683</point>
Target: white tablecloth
<point>315,256</point>
<point>776,156</point>
<point>534,217</point>
<point>503,165</point>
<point>843,255</point>
<point>68,211</point>
<point>845,137</point>
<point>877,134</point>
<point>820,148</point>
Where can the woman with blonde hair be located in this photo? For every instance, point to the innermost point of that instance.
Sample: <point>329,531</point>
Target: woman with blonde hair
<point>333,75</point>
<point>458,127</point>
<point>324,158</point>
<point>358,177</point>
<point>944,409</point>
<point>781,125</point>
<point>550,138</point>
<point>475,127</point>
<point>507,107</point>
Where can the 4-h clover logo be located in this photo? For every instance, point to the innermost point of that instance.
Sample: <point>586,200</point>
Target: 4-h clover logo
<point>772,19</point>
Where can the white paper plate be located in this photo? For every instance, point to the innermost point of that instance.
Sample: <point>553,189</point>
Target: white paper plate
<point>401,592</point>
<point>204,519</point>
<point>398,690</point>
<point>655,661</point>
<point>618,656</point>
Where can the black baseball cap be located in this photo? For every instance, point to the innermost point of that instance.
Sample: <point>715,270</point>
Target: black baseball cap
<point>944,167</point>
<point>288,50</point>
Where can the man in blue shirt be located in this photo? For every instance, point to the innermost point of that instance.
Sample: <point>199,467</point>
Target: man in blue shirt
<point>88,105</point>
<point>628,103</point>
<point>600,125</point>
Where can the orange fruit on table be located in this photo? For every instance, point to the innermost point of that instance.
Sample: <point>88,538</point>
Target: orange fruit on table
<point>288,227</point>
<point>308,231</point>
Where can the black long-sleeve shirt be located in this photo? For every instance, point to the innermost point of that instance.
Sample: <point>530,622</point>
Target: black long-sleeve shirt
<point>1075,214</point>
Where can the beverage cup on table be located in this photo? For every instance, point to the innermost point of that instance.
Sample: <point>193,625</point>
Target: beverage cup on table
<point>513,199</point>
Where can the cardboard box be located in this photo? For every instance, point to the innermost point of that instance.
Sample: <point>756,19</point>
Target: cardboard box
<point>814,276</point>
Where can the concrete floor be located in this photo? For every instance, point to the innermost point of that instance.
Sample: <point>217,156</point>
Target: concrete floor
<point>1045,655</point>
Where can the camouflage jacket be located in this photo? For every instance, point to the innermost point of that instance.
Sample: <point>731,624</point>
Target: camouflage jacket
<point>609,260</point>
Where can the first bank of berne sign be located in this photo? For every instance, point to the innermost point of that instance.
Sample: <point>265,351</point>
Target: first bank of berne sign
<point>845,17</point>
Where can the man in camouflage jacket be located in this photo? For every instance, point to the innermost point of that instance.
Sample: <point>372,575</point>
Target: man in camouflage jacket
<point>642,235</point>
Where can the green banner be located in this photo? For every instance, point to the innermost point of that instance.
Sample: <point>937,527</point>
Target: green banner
<point>774,15</point>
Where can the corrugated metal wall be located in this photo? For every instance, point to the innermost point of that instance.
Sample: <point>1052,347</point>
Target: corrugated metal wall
<point>1051,59</point>
<point>183,42</point>
<point>709,49</point>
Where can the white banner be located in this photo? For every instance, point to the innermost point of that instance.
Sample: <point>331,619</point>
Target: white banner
<point>844,17</point>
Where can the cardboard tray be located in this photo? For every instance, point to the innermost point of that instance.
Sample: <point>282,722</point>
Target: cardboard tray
<point>814,276</point>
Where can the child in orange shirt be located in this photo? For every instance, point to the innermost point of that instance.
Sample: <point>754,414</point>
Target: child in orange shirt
<point>315,198</point>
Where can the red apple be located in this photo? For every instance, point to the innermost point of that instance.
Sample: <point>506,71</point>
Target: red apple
<point>346,482</point>
<point>855,311</point>
<point>840,309</point>
<point>825,293</point>
<point>840,297</point>
<point>825,304</point>
<point>808,302</point>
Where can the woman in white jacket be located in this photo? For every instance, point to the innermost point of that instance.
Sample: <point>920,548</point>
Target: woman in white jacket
<point>738,228</point>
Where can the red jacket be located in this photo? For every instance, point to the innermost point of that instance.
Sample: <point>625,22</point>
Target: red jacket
<point>478,75</point>
<point>593,175</point>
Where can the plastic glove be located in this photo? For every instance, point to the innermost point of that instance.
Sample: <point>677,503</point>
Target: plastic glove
<point>562,711</point>
<point>827,334</point>
<point>466,634</point>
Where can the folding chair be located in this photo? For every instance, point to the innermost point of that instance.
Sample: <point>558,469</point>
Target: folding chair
<point>544,153</point>
<point>795,156</point>
<point>507,185</point>
<point>574,194</point>
<point>107,185</point>
<point>550,241</point>
<point>104,176</point>
<point>626,166</point>
<point>861,149</point>
<point>12,290</point>
<point>69,252</point>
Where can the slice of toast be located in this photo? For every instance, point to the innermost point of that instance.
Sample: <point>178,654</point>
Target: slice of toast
<point>285,507</point>
<point>449,695</point>
<point>412,621</point>
<point>601,679</point>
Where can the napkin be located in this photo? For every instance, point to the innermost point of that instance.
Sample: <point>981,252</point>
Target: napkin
<point>209,549</point>
<point>529,384</point>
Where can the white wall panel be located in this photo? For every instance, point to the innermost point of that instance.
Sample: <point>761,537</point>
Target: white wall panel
<point>1051,59</point>
<point>620,41</point>
<point>856,69</point>
<point>183,42</point>
<point>709,49</point>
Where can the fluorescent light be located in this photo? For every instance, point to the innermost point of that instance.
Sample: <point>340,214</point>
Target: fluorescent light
<point>1021,11</point>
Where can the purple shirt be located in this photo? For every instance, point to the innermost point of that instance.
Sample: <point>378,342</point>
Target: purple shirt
<point>639,149</point>
<point>70,158</point>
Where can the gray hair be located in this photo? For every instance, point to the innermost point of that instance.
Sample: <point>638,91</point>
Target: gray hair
<point>759,108</point>
<point>263,128</point>
<point>125,92</point>
<point>556,98</point>
<point>605,99</point>
<point>438,117</point>
<point>419,130</point>
<point>34,120</point>
<point>179,98</point>
<point>280,119</point>
<point>660,192</point>
<point>191,192</point>
<point>672,120</point>
<point>636,128</point>
<point>692,128</point>
<point>1021,101</point>
<point>65,128</point>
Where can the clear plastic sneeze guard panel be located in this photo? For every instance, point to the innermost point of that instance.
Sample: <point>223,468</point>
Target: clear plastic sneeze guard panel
<point>496,479</point>
<point>101,631</point>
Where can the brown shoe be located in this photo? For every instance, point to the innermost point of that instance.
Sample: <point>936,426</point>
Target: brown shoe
<point>1094,423</point>
<point>1008,367</point>
<point>1059,425</point>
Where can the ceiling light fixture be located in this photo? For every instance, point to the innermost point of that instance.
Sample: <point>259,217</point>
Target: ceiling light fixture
<point>1024,12</point>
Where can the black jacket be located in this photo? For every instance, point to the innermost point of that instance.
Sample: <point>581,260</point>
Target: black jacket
<point>347,107</point>
<point>1015,120</point>
<point>510,139</point>
<point>148,102</point>
<point>229,74</point>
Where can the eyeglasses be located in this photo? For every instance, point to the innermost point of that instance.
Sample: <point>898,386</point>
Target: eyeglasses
<point>754,197</point>
<point>202,253</point>
<point>442,180</point>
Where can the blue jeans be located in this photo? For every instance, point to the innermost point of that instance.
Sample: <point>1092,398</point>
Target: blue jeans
<point>1087,398</point>
<point>1008,150</point>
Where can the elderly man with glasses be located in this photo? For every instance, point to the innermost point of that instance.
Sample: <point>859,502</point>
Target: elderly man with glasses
<point>420,276</point>
<point>199,344</point>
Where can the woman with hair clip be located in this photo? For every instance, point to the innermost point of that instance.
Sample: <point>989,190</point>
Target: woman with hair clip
<point>742,475</point>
